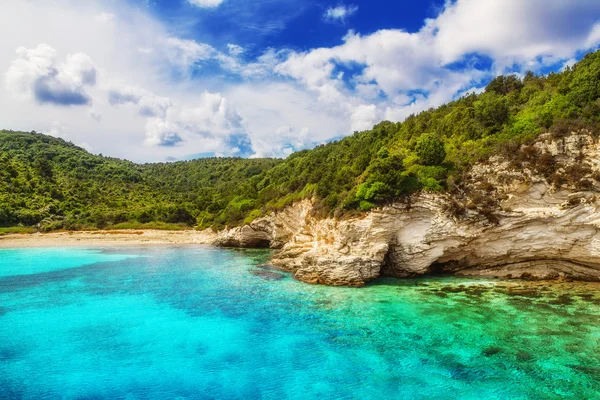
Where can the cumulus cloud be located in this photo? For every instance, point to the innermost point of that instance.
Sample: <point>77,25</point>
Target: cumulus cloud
<point>188,55</point>
<point>235,50</point>
<point>105,17</point>
<point>364,117</point>
<point>36,73</point>
<point>281,101</point>
<point>340,13</point>
<point>593,39</point>
<point>401,72</point>
<point>160,132</point>
<point>57,129</point>
<point>148,104</point>
<point>170,124</point>
<point>206,3</point>
<point>512,31</point>
<point>186,52</point>
<point>210,117</point>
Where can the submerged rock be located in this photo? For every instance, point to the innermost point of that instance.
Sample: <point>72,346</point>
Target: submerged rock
<point>267,275</point>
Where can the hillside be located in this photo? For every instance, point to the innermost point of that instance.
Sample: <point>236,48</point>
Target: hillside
<point>44,179</point>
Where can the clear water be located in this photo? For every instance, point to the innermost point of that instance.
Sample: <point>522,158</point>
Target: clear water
<point>204,323</point>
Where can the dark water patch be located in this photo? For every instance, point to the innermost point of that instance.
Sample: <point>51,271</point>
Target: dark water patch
<point>563,299</point>
<point>592,371</point>
<point>575,326</point>
<point>522,292</point>
<point>267,275</point>
<point>573,347</point>
<point>524,356</point>
<point>268,267</point>
<point>453,289</point>
<point>19,282</point>
<point>521,303</point>
<point>201,349</point>
<point>461,372</point>
<point>11,353</point>
<point>586,296</point>
<point>11,390</point>
<point>491,351</point>
<point>477,291</point>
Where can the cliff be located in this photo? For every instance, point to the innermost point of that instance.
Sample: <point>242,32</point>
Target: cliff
<point>534,216</point>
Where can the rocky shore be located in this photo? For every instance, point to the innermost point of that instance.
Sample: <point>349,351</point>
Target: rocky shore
<point>510,219</point>
<point>533,217</point>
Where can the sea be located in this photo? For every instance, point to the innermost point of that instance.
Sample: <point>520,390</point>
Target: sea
<point>198,322</point>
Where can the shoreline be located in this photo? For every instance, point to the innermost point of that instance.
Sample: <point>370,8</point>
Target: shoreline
<point>134,237</point>
<point>147,237</point>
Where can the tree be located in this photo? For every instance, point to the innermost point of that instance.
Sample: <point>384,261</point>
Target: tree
<point>430,150</point>
<point>503,85</point>
<point>492,111</point>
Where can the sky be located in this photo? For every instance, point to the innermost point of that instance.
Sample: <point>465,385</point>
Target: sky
<point>167,80</point>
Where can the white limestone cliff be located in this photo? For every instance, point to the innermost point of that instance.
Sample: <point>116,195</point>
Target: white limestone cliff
<point>533,230</point>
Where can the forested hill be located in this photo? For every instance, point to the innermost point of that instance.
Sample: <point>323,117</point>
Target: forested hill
<point>47,180</point>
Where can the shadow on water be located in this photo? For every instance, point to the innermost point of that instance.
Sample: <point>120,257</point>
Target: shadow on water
<point>17,282</point>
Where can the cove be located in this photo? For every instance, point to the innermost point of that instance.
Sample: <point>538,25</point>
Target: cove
<point>199,322</point>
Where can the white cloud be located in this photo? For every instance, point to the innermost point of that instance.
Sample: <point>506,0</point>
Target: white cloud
<point>235,50</point>
<point>400,73</point>
<point>188,55</point>
<point>86,146</point>
<point>206,3</point>
<point>148,104</point>
<point>35,73</point>
<point>280,116</point>
<point>364,117</point>
<point>57,129</point>
<point>340,13</point>
<point>187,52</point>
<point>593,39</point>
<point>153,94</point>
<point>211,117</point>
<point>513,31</point>
<point>105,17</point>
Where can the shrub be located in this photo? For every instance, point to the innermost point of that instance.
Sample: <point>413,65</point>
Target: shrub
<point>430,150</point>
<point>252,216</point>
<point>366,206</point>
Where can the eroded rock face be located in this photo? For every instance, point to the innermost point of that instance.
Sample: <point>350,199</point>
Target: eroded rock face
<point>537,231</point>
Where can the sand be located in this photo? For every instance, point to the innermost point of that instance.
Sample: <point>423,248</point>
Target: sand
<point>105,238</point>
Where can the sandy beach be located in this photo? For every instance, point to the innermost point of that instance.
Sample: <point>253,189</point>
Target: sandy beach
<point>105,238</point>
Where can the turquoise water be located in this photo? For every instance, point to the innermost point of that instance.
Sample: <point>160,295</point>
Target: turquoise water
<point>204,323</point>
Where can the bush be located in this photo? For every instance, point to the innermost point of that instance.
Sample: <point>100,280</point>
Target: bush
<point>252,216</point>
<point>366,206</point>
<point>430,150</point>
<point>492,111</point>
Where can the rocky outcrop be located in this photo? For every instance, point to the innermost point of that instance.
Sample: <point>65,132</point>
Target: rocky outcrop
<point>532,224</point>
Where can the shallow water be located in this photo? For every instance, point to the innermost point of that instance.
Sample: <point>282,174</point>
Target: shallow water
<point>201,322</point>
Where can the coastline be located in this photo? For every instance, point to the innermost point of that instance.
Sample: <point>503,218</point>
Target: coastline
<point>135,237</point>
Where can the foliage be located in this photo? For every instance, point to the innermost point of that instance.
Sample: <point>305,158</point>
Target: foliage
<point>52,184</point>
<point>16,229</point>
<point>430,150</point>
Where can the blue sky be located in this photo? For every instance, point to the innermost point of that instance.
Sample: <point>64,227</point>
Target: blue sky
<point>155,80</point>
<point>298,25</point>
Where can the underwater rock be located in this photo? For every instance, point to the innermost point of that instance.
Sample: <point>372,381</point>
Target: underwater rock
<point>267,275</point>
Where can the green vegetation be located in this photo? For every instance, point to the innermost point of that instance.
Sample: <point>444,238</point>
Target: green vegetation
<point>50,182</point>
<point>17,229</point>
